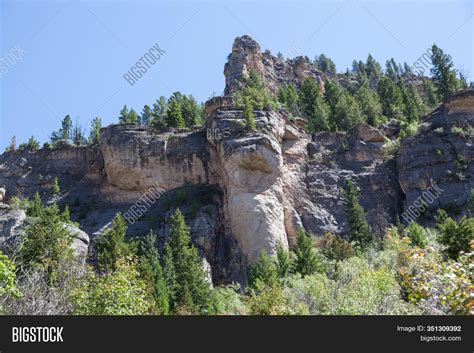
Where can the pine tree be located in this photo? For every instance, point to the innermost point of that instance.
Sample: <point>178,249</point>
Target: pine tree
<point>174,114</point>
<point>283,261</point>
<point>66,215</point>
<point>123,118</point>
<point>359,230</point>
<point>187,263</point>
<point>391,99</point>
<point>46,243</point>
<point>263,272</point>
<point>94,134</point>
<point>146,116</point>
<point>169,274</point>
<point>455,236</point>
<point>413,107</point>
<point>132,117</point>
<point>314,107</point>
<point>248,114</point>
<point>325,64</point>
<point>55,186</point>
<point>369,105</point>
<point>443,74</point>
<point>288,96</point>
<point>111,245</point>
<point>65,133</point>
<point>191,111</point>
<point>152,272</point>
<point>35,208</point>
<point>373,70</point>
<point>307,260</point>
<point>417,234</point>
<point>346,112</point>
<point>430,97</point>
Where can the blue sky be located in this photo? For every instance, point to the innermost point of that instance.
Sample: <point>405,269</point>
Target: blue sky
<point>74,53</point>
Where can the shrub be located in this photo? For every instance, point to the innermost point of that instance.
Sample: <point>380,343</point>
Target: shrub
<point>456,237</point>
<point>121,292</point>
<point>264,272</point>
<point>334,247</point>
<point>417,234</point>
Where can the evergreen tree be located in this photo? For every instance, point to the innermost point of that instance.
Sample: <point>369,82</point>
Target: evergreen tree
<point>146,116</point>
<point>123,118</point>
<point>160,108</point>
<point>288,96</point>
<point>174,114</point>
<point>455,236</point>
<point>413,107</point>
<point>55,186</point>
<point>152,273</point>
<point>263,272</point>
<point>46,243</point>
<point>391,99</point>
<point>66,215</point>
<point>111,245</point>
<point>283,261</point>
<point>307,260</point>
<point>248,114</point>
<point>78,134</point>
<point>191,279</point>
<point>65,132</point>
<point>314,107</point>
<point>359,230</point>
<point>254,88</point>
<point>94,134</point>
<point>169,275</point>
<point>325,64</point>
<point>369,105</point>
<point>373,70</point>
<point>430,96</point>
<point>191,111</point>
<point>346,112</point>
<point>35,208</point>
<point>132,117</point>
<point>443,74</point>
<point>417,234</point>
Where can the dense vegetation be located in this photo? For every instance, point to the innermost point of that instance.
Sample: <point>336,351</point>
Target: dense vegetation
<point>413,270</point>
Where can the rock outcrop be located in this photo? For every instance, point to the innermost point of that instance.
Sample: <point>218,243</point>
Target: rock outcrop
<point>138,158</point>
<point>246,56</point>
<point>441,155</point>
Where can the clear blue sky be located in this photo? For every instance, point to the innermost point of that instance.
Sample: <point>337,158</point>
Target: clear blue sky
<point>77,51</point>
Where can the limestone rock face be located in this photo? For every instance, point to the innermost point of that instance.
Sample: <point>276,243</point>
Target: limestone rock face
<point>24,173</point>
<point>11,222</point>
<point>137,158</point>
<point>441,155</point>
<point>248,167</point>
<point>246,56</point>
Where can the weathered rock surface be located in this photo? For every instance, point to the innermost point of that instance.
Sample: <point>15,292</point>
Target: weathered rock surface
<point>11,222</point>
<point>138,158</point>
<point>441,155</point>
<point>246,56</point>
